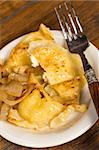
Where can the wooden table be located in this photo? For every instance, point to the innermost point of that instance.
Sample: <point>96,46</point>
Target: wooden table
<point>18,17</point>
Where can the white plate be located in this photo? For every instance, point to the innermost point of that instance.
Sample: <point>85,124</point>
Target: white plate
<point>80,125</point>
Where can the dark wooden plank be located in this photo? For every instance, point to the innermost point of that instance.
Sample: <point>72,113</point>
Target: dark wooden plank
<point>28,17</point>
<point>7,7</point>
<point>25,21</point>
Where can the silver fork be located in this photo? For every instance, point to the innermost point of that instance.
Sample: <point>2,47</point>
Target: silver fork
<point>77,42</point>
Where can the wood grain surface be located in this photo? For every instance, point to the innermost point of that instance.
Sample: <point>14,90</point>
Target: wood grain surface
<point>18,17</point>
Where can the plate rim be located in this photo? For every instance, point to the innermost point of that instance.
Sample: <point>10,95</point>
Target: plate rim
<point>13,140</point>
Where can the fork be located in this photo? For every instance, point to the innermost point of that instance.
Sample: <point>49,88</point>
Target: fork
<point>77,42</point>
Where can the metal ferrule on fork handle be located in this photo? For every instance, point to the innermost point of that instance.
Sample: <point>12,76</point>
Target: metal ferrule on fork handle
<point>89,72</point>
<point>90,76</point>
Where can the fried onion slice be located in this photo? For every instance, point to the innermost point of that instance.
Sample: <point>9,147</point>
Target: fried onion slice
<point>4,98</point>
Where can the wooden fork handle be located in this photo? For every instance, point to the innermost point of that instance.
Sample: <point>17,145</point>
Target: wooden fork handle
<point>92,82</point>
<point>93,85</point>
<point>94,91</point>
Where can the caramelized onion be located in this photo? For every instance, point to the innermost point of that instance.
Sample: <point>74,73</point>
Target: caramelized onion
<point>3,72</point>
<point>4,111</point>
<point>3,80</point>
<point>14,88</point>
<point>3,97</point>
<point>20,69</point>
<point>18,77</point>
<point>0,104</point>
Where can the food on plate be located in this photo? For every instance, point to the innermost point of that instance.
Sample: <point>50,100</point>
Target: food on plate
<point>56,63</point>
<point>67,91</point>
<point>18,57</point>
<point>40,83</point>
<point>38,110</point>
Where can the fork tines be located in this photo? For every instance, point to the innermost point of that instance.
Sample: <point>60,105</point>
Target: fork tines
<point>68,21</point>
